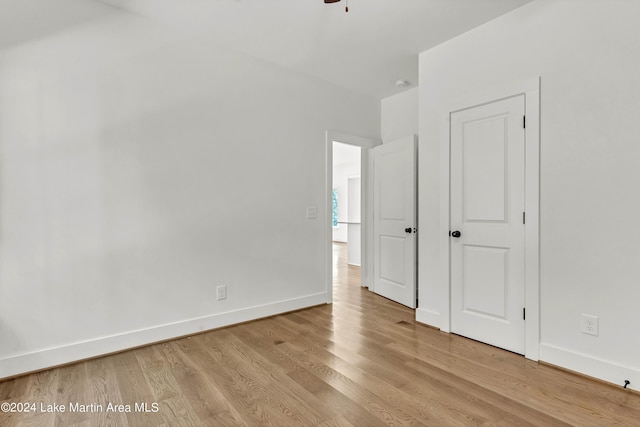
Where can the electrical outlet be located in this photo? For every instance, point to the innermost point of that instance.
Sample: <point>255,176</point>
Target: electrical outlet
<point>589,324</point>
<point>221,292</point>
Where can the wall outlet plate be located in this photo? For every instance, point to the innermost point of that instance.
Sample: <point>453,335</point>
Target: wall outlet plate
<point>312,212</point>
<point>221,292</point>
<point>590,324</point>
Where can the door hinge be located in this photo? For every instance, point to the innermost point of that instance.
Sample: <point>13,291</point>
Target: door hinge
<point>524,313</point>
<point>523,218</point>
<point>524,122</point>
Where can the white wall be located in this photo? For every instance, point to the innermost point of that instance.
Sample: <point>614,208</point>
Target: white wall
<point>138,171</point>
<point>586,53</point>
<point>399,115</point>
<point>346,164</point>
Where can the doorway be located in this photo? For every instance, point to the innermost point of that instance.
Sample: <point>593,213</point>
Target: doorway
<point>388,244</point>
<point>346,198</point>
<point>345,215</point>
<point>353,217</point>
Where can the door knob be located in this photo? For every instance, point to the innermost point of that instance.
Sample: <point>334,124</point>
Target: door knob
<point>456,234</point>
<point>407,230</point>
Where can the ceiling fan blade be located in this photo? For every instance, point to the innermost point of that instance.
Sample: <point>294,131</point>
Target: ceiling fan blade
<point>331,1</point>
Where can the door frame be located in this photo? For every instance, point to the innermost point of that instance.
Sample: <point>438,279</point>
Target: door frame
<point>366,206</point>
<point>531,90</point>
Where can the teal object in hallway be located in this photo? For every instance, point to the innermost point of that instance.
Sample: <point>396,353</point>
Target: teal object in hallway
<point>334,215</point>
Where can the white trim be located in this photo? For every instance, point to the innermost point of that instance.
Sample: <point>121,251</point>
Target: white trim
<point>346,138</point>
<point>532,226</point>
<point>366,250</point>
<point>488,95</point>
<point>531,89</point>
<point>367,215</point>
<point>64,354</point>
<point>428,317</point>
<point>589,365</point>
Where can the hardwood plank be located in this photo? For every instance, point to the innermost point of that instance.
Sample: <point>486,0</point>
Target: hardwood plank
<point>325,395</point>
<point>134,389</point>
<point>342,404</point>
<point>208,401</point>
<point>40,389</point>
<point>247,392</point>
<point>338,421</point>
<point>12,389</point>
<point>173,408</point>
<point>276,390</point>
<point>102,389</point>
<point>350,381</point>
<point>71,386</point>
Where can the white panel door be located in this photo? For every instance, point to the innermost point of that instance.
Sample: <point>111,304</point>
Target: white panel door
<point>394,220</point>
<point>487,223</point>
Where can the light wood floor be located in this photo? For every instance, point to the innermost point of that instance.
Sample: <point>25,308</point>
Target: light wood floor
<point>362,361</point>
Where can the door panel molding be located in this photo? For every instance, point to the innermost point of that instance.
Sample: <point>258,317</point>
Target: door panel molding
<point>531,90</point>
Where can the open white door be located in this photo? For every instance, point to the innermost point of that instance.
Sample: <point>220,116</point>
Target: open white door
<point>394,220</point>
<point>487,223</point>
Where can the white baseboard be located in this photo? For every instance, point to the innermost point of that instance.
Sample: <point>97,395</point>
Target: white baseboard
<point>60,355</point>
<point>589,365</point>
<point>428,317</point>
<point>571,360</point>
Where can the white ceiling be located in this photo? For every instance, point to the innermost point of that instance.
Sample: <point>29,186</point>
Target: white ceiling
<point>365,50</point>
<point>26,20</point>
